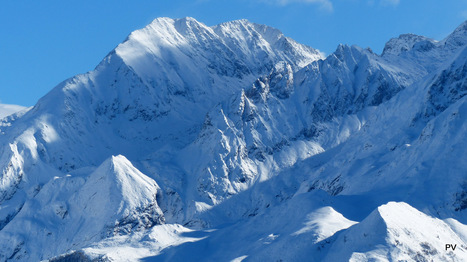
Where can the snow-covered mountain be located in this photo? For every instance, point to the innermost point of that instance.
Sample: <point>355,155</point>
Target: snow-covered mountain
<point>6,110</point>
<point>234,142</point>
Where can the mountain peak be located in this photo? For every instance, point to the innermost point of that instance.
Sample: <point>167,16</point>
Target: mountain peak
<point>403,43</point>
<point>244,26</point>
<point>461,29</point>
<point>395,230</point>
<point>238,21</point>
<point>188,19</point>
<point>184,49</point>
<point>457,38</point>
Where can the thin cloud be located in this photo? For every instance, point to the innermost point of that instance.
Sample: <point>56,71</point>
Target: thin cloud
<point>324,4</point>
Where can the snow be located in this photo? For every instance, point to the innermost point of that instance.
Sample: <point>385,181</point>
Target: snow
<point>103,204</point>
<point>234,142</point>
<point>139,246</point>
<point>6,110</point>
<point>404,43</point>
<point>395,232</point>
<point>324,222</point>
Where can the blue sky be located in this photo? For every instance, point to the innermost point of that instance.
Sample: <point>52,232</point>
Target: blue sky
<point>45,42</point>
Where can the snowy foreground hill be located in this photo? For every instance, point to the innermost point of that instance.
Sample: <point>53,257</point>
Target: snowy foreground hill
<point>234,142</point>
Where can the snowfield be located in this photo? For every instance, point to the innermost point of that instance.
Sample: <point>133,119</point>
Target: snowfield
<point>236,143</point>
<point>6,110</point>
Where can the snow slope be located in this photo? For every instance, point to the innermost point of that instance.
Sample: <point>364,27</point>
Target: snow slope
<point>234,142</point>
<point>395,232</point>
<point>73,211</point>
<point>6,110</point>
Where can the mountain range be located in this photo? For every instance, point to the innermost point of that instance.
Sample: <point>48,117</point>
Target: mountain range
<point>236,143</point>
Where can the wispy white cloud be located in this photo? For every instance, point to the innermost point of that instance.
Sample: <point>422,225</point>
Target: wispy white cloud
<point>323,4</point>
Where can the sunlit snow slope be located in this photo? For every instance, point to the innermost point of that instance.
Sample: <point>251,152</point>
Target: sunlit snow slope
<point>6,110</point>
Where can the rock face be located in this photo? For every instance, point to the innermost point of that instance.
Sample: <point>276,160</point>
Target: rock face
<point>188,137</point>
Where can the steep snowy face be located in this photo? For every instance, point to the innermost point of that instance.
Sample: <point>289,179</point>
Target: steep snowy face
<point>458,38</point>
<point>185,58</point>
<point>407,42</point>
<point>264,42</point>
<point>187,67</point>
<point>75,210</point>
<point>351,79</point>
<point>425,54</point>
<point>235,49</point>
<point>448,86</point>
<point>287,116</point>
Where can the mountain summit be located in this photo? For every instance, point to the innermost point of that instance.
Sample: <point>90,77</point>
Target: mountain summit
<point>233,142</point>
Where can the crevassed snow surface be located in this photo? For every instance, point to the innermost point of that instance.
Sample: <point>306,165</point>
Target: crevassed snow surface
<point>234,142</point>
